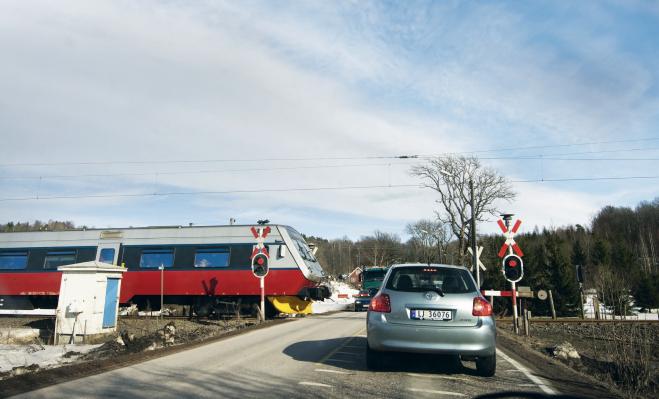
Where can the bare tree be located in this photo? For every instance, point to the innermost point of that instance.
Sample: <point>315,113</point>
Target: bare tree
<point>450,177</point>
<point>430,239</point>
<point>380,249</point>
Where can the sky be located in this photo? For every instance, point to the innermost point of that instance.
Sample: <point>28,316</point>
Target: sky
<point>123,113</point>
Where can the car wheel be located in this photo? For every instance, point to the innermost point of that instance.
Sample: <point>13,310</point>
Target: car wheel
<point>486,365</point>
<point>374,359</point>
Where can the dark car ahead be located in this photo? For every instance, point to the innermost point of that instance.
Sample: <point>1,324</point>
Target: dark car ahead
<point>363,298</point>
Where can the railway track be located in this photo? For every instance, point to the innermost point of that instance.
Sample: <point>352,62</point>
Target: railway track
<point>29,318</point>
<point>227,317</point>
<point>581,321</point>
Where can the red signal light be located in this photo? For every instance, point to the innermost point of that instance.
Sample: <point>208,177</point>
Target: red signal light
<point>513,267</point>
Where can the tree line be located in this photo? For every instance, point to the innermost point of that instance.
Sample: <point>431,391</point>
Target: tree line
<point>37,225</point>
<point>618,253</point>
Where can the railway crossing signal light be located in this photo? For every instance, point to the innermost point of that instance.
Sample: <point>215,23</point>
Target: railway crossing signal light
<point>260,265</point>
<point>513,268</point>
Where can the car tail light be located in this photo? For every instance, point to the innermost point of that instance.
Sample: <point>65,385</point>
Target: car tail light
<point>481,307</point>
<point>380,303</point>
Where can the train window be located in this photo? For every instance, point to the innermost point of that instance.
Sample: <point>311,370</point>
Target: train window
<point>212,257</point>
<point>154,258</point>
<point>58,258</point>
<point>106,255</point>
<point>13,260</point>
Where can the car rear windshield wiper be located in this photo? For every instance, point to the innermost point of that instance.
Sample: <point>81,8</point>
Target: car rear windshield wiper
<point>434,289</point>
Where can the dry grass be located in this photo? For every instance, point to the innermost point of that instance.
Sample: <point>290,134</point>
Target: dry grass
<point>628,357</point>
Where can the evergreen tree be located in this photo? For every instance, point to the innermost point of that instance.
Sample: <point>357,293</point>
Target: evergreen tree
<point>566,293</point>
<point>646,293</point>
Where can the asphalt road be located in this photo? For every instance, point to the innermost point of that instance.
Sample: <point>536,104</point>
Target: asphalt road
<point>320,356</point>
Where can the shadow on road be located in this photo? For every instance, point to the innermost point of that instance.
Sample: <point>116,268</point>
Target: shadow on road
<point>353,358</point>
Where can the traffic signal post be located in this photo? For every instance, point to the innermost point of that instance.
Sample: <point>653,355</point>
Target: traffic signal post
<point>260,257</point>
<point>514,288</point>
<point>513,267</point>
<point>260,270</point>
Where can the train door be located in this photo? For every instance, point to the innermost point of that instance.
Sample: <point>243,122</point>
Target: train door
<point>107,253</point>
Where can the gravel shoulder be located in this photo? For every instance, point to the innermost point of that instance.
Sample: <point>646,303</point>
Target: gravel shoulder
<point>562,377</point>
<point>614,360</point>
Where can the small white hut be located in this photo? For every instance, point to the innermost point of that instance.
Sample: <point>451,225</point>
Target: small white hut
<point>88,301</point>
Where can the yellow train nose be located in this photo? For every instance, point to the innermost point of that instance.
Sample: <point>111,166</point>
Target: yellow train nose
<point>290,304</point>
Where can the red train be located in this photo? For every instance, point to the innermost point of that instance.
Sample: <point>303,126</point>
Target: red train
<point>205,268</point>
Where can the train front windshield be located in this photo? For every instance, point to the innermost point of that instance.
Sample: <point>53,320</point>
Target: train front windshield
<point>306,252</point>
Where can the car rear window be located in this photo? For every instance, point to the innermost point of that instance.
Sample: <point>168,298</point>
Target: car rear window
<point>419,279</point>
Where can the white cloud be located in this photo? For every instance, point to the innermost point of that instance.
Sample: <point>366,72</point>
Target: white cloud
<point>153,81</point>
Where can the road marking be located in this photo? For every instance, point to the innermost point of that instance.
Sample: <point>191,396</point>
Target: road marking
<point>512,371</point>
<point>539,382</point>
<point>331,371</point>
<point>348,353</point>
<point>448,377</point>
<point>525,385</point>
<point>338,348</point>
<point>314,384</point>
<point>433,391</point>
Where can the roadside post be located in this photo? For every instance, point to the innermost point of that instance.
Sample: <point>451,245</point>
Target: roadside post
<point>551,305</point>
<point>162,289</point>
<point>579,274</point>
<point>260,257</point>
<point>513,267</point>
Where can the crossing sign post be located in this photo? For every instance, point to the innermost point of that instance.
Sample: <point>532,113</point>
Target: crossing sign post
<point>509,234</point>
<point>512,267</point>
<point>260,258</point>
<point>479,251</point>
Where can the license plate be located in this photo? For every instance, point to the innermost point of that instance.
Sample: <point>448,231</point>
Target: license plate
<point>427,314</point>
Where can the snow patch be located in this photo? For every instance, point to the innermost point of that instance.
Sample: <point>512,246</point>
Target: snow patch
<point>45,356</point>
<point>341,298</point>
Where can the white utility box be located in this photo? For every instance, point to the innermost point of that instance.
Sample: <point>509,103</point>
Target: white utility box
<point>88,301</point>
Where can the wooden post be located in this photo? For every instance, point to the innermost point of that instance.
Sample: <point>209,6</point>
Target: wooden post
<point>84,333</point>
<point>526,322</point>
<point>583,312</point>
<point>551,304</point>
<point>596,305</point>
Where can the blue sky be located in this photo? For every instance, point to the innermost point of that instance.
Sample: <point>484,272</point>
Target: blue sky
<point>123,88</point>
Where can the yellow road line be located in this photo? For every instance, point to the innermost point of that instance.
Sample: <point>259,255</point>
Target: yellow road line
<point>338,348</point>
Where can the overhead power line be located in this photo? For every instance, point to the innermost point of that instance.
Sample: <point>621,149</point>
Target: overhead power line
<point>537,147</point>
<point>551,157</point>
<point>299,189</point>
<point>192,172</point>
<point>243,170</point>
<point>176,193</point>
<point>336,158</point>
<point>585,179</point>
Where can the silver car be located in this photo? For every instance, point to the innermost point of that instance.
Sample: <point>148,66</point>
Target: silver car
<point>431,309</point>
